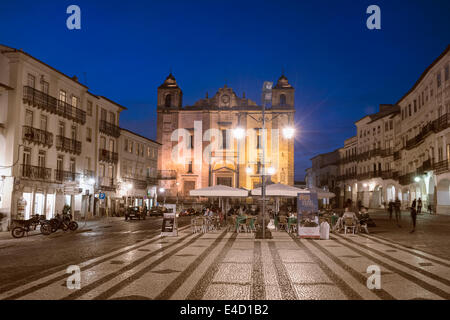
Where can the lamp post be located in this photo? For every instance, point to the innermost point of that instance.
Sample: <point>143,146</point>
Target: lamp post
<point>239,133</point>
<point>162,190</point>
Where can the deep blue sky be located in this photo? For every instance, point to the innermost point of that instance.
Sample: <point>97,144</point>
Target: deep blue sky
<point>340,69</point>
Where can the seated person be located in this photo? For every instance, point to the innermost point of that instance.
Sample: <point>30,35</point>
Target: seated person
<point>347,214</point>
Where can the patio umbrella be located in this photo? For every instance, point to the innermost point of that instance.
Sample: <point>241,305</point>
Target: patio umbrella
<point>279,190</point>
<point>321,194</point>
<point>220,192</point>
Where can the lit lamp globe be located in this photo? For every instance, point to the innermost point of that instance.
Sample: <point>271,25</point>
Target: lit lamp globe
<point>288,132</point>
<point>238,133</point>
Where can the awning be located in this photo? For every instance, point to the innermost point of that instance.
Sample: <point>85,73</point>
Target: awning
<point>219,191</point>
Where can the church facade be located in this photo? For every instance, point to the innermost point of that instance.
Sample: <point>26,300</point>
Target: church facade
<point>219,140</point>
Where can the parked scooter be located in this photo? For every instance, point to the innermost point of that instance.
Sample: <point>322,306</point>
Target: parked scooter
<point>64,222</point>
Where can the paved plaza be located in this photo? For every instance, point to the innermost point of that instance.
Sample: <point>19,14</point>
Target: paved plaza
<point>225,265</point>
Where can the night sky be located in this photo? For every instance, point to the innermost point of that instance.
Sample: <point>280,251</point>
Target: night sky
<point>341,70</point>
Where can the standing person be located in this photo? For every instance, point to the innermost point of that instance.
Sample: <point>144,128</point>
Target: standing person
<point>390,209</point>
<point>419,206</point>
<point>413,217</point>
<point>413,205</point>
<point>398,214</point>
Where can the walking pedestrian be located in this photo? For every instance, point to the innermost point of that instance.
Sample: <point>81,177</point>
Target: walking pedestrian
<point>390,209</point>
<point>419,206</point>
<point>398,214</point>
<point>413,217</point>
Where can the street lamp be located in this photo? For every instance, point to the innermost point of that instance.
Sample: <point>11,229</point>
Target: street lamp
<point>271,171</point>
<point>417,179</point>
<point>288,132</point>
<point>162,190</point>
<point>239,134</point>
<point>249,170</point>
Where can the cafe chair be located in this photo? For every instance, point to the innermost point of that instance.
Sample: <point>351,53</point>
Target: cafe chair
<point>349,223</point>
<point>282,223</point>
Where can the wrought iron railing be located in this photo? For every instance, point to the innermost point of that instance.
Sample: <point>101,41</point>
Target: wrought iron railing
<point>35,173</point>
<point>108,156</point>
<point>68,145</point>
<point>37,136</point>
<point>46,102</point>
<point>106,184</point>
<point>441,167</point>
<point>167,174</point>
<point>109,129</point>
<point>66,176</point>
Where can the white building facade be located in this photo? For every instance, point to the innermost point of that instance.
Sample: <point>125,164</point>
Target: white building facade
<point>403,151</point>
<point>138,171</point>
<point>59,143</point>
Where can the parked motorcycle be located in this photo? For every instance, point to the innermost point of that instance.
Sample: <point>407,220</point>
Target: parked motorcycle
<point>64,222</point>
<point>24,226</point>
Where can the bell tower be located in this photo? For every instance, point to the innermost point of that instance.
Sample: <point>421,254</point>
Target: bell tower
<point>283,94</point>
<point>169,104</point>
<point>170,95</point>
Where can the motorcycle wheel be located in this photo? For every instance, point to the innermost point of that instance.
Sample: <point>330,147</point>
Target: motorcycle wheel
<point>18,232</point>
<point>46,229</point>
<point>73,225</point>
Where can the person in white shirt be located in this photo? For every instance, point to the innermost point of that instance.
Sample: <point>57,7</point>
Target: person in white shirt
<point>347,214</point>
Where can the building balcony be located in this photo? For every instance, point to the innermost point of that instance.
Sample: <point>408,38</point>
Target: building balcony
<point>407,178</point>
<point>68,145</point>
<point>387,175</point>
<point>387,152</point>
<point>427,165</point>
<point>108,156</point>
<point>441,167</point>
<point>66,176</point>
<point>50,104</point>
<point>106,184</point>
<point>109,129</point>
<point>35,173</point>
<point>37,136</point>
<point>349,176</point>
<point>167,174</point>
<point>152,181</point>
<point>138,182</point>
